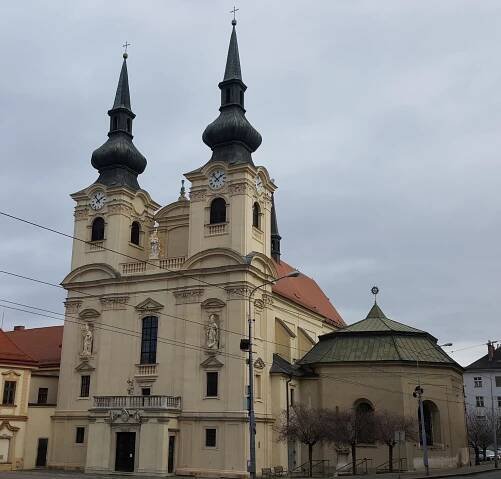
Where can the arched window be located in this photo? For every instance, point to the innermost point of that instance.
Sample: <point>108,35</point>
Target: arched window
<point>228,95</point>
<point>218,211</point>
<point>129,125</point>
<point>364,416</point>
<point>149,340</point>
<point>115,123</point>
<point>431,423</point>
<point>97,229</point>
<point>135,231</point>
<point>256,215</point>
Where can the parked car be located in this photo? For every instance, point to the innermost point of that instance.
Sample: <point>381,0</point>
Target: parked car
<point>489,455</point>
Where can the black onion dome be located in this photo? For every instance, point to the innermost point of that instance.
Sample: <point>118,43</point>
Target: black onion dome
<point>118,161</point>
<point>230,136</point>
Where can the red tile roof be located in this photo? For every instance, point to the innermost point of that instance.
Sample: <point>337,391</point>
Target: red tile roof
<point>304,291</point>
<point>42,344</point>
<point>11,354</point>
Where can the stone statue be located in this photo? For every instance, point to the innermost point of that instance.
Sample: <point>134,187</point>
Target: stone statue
<point>130,387</point>
<point>87,340</point>
<point>213,332</point>
<point>154,245</point>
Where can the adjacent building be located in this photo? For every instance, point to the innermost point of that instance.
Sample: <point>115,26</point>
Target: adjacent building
<point>482,383</point>
<point>29,370</point>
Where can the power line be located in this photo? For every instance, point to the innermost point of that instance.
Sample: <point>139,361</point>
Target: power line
<point>177,272</point>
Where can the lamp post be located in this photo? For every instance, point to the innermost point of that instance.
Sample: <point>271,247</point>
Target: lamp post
<point>252,417</point>
<point>418,393</point>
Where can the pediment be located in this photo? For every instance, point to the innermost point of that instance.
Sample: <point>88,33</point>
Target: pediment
<point>91,272</point>
<point>149,304</point>
<point>11,373</point>
<point>8,426</point>
<point>211,362</point>
<point>259,363</point>
<point>213,303</point>
<point>84,366</point>
<point>213,256</point>
<point>89,313</point>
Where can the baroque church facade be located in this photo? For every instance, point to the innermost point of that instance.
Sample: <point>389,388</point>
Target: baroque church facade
<point>153,380</point>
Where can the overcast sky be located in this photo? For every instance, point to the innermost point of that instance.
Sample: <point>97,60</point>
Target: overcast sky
<point>381,124</point>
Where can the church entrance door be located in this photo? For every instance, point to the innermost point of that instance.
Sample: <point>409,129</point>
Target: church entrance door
<point>126,447</point>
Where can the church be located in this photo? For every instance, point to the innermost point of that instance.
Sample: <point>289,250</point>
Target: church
<point>153,379</point>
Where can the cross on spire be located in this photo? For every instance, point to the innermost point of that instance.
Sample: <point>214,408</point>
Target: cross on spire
<point>234,11</point>
<point>125,45</point>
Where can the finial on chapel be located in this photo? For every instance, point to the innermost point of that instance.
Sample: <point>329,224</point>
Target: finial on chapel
<point>125,45</point>
<point>234,11</point>
<point>375,291</point>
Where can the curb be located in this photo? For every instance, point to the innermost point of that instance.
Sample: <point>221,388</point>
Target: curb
<point>458,474</point>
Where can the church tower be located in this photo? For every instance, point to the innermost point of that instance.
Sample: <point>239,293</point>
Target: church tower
<point>114,213</point>
<point>230,196</point>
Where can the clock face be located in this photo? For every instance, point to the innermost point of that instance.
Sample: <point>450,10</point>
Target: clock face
<point>217,179</point>
<point>97,200</point>
<point>259,184</point>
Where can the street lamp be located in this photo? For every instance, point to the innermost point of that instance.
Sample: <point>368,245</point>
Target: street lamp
<point>248,345</point>
<point>418,393</point>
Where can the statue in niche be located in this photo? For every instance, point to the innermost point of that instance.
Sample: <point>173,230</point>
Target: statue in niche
<point>213,332</point>
<point>87,340</point>
<point>154,244</point>
<point>130,387</point>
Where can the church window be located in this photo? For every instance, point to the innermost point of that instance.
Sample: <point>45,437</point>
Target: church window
<point>218,211</point>
<point>42,395</point>
<point>228,95</point>
<point>9,392</point>
<point>115,123</point>
<point>365,418</point>
<point>210,437</point>
<point>212,384</point>
<point>84,386</point>
<point>129,125</point>
<point>80,435</point>
<point>257,386</point>
<point>97,229</point>
<point>149,340</point>
<point>135,231</point>
<point>241,98</point>
<point>256,215</point>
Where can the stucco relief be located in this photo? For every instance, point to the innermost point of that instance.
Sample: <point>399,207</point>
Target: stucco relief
<point>120,209</point>
<point>81,214</point>
<point>72,307</point>
<point>198,195</point>
<point>187,296</point>
<point>237,292</point>
<point>238,188</point>
<point>114,302</point>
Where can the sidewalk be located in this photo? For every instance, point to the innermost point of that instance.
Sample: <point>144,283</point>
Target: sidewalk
<point>442,473</point>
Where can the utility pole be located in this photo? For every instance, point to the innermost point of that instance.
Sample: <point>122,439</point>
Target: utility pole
<point>418,393</point>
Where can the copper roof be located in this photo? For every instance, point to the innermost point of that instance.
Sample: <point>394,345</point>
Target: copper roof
<point>304,291</point>
<point>41,344</point>
<point>11,354</point>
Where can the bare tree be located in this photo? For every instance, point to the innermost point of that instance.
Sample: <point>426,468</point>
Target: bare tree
<point>350,428</point>
<point>306,425</point>
<point>479,433</point>
<point>387,424</point>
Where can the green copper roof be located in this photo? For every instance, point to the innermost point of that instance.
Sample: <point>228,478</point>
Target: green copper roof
<point>377,338</point>
<point>376,320</point>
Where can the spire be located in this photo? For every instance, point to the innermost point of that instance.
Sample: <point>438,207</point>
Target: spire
<point>122,97</point>
<point>232,70</point>
<point>275,236</point>
<point>118,161</point>
<point>231,137</point>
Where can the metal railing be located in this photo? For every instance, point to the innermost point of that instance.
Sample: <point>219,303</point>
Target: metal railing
<point>319,468</point>
<point>401,465</point>
<point>361,467</point>
<point>138,402</point>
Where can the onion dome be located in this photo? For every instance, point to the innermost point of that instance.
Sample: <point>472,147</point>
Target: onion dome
<point>231,137</point>
<point>118,161</point>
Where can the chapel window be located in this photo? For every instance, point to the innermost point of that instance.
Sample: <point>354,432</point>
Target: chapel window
<point>97,229</point>
<point>42,395</point>
<point>129,125</point>
<point>228,95</point>
<point>210,437</point>
<point>256,215</point>
<point>218,211</point>
<point>80,435</point>
<point>149,340</point>
<point>84,386</point>
<point>241,98</point>
<point>365,418</point>
<point>135,232</point>
<point>212,384</point>
<point>115,123</point>
<point>431,423</point>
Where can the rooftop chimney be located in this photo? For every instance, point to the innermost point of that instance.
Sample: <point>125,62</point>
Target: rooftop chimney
<point>490,350</point>
<point>19,328</point>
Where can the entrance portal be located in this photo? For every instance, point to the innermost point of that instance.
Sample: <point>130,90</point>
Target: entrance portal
<point>42,452</point>
<point>126,448</point>
<point>172,449</point>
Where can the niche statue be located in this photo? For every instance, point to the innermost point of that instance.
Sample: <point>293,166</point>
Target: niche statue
<point>212,332</point>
